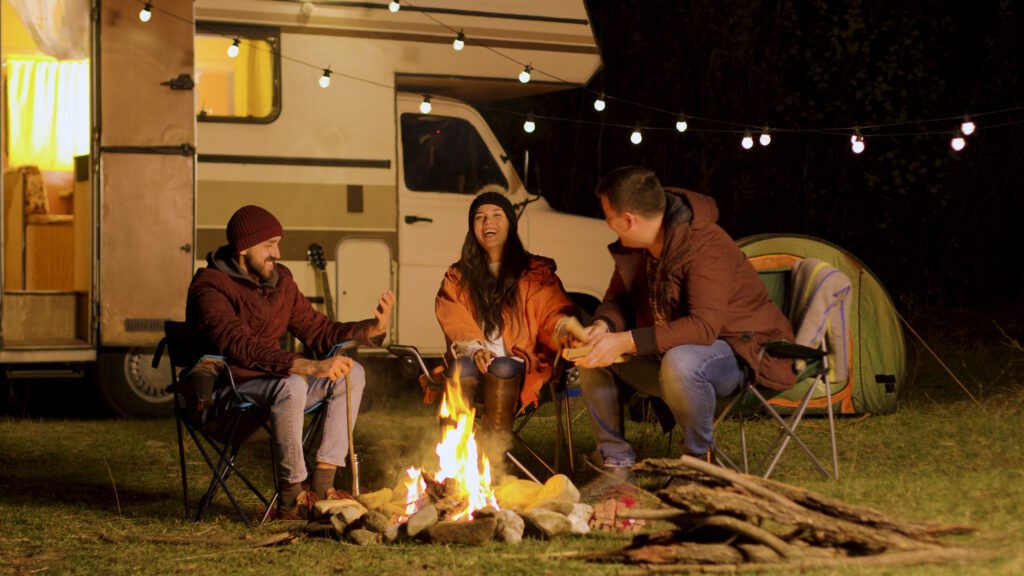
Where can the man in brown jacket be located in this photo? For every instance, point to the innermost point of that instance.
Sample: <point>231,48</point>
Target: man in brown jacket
<point>686,302</point>
<point>243,301</point>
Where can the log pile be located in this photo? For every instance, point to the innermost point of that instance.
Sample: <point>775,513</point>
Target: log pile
<point>727,522</point>
<point>543,511</point>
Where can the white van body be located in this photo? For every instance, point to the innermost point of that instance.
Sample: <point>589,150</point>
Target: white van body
<point>331,165</point>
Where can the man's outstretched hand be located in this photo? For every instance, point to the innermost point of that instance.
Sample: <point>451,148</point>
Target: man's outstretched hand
<point>383,314</point>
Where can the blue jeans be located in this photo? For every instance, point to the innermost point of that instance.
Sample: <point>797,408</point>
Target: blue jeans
<point>688,378</point>
<point>288,399</point>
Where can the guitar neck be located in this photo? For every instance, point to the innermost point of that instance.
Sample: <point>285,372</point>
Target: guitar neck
<point>328,301</point>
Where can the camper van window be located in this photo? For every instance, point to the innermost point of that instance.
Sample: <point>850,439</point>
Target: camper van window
<point>446,154</point>
<point>237,81</point>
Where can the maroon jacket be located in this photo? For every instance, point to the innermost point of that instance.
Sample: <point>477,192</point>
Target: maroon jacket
<point>708,290</point>
<point>244,320</point>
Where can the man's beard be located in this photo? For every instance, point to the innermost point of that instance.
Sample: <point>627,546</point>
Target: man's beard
<point>259,268</point>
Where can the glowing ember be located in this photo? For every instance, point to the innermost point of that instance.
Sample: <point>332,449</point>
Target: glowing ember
<point>459,459</point>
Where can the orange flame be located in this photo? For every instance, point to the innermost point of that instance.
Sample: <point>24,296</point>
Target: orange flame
<point>458,457</point>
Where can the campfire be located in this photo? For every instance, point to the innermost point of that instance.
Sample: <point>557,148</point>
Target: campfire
<point>462,484</point>
<point>456,503</point>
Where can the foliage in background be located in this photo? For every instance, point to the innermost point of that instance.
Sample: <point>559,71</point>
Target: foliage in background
<point>939,228</point>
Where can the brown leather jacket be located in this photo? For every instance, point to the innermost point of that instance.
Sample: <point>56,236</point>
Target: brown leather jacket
<point>245,321</point>
<point>542,303</point>
<point>708,290</point>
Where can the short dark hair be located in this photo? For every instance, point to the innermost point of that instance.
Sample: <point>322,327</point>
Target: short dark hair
<point>633,189</point>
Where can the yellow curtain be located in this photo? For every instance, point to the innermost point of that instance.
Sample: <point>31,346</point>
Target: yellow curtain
<point>253,79</point>
<point>48,111</point>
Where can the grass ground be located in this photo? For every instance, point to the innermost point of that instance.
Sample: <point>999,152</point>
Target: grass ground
<point>940,458</point>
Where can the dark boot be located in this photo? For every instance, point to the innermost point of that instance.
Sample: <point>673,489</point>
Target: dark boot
<point>500,398</point>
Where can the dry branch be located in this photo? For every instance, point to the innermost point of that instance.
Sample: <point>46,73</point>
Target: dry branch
<point>728,522</point>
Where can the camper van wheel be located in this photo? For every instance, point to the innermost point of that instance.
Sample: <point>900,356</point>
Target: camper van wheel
<point>131,386</point>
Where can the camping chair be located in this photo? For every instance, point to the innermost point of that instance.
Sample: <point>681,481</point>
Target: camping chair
<point>817,308</point>
<point>560,388</point>
<point>216,434</point>
<point>434,380</point>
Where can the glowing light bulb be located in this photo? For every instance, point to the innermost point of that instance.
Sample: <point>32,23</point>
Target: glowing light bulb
<point>599,102</point>
<point>765,138</point>
<point>524,76</point>
<point>681,124</point>
<point>233,49</point>
<point>636,137</point>
<point>748,141</point>
<point>958,142</point>
<point>394,6</point>
<point>529,126</point>
<point>460,41</point>
<point>857,144</point>
<point>325,80</point>
<point>147,12</point>
<point>425,106</point>
<point>967,127</point>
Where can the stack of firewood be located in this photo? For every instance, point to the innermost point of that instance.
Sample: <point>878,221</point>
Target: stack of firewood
<point>725,522</point>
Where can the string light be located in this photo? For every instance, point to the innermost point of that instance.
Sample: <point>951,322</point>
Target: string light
<point>857,141</point>
<point>524,76</point>
<point>529,126</point>
<point>765,138</point>
<point>425,106</point>
<point>681,124</point>
<point>748,141</point>
<point>967,127</point>
<point>958,142</point>
<point>636,137</point>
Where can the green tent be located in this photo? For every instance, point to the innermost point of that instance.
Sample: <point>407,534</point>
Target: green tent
<point>877,350</point>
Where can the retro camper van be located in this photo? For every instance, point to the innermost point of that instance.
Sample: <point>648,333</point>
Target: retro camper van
<point>171,114</point>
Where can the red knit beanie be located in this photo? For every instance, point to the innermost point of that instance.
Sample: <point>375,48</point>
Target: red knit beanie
<point>250,225</point>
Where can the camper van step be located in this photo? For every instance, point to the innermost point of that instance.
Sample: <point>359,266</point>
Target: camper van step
<point>46,345</point>
<point>24,373</point>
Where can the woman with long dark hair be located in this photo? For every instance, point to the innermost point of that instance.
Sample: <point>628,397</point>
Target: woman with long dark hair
<point>503,312</point>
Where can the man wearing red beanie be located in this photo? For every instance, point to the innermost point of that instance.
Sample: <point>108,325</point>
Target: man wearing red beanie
<point>244,301</point>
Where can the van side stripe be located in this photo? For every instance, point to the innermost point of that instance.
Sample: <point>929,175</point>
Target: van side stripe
<point>294,161</point>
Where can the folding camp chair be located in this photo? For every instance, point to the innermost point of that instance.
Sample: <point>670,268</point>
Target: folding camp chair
<point>559,393</point>
<point>559,389</point>
<point>217,434</point>
<point>817,295</point>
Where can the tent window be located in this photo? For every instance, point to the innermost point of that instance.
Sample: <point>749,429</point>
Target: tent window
<point>48,112</point>
<point>245,87</point>
<point>446,154</point>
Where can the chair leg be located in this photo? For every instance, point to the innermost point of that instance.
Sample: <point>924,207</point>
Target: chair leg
<point>181,462</point>
<point>566,418</point>
<point>790,433</point>
<point>832,429</point>
<point>559,430</point>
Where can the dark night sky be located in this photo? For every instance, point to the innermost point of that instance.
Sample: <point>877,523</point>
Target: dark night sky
<point>939,228</point>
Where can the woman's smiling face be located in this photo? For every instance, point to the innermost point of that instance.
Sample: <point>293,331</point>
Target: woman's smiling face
<point>490,226</point>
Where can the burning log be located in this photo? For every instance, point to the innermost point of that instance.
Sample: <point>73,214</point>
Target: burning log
<point>727,521</point>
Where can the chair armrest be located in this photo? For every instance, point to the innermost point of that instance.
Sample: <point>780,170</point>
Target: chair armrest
<point>412,354</point>
<point>343,348</point>
<point>784,349</point>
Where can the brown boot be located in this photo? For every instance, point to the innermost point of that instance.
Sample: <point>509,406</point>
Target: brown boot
<point>500,398</point>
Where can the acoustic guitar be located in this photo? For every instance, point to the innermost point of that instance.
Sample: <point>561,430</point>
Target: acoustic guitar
<point>315,253</point>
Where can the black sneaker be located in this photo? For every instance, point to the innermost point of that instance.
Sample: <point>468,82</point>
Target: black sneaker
<point>611,481</point>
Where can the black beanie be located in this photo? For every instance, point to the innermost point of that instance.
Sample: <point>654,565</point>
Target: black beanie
<point>498,200</point>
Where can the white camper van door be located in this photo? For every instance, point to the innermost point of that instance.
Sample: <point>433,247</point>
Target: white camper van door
<point>446,158</point>
<point>147,147</point>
